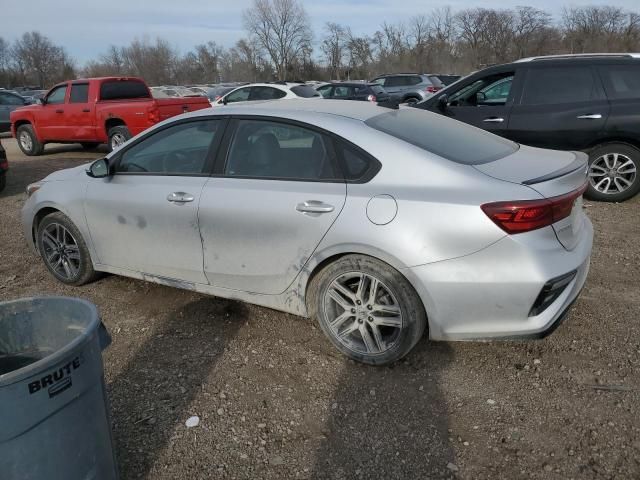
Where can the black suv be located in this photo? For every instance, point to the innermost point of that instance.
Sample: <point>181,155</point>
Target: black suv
<point>371,92</point>
<point>563,102</point>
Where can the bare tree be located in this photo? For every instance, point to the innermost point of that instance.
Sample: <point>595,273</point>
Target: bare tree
<point>334,48</point>
<point>38,60</point>
<point>282,28</point>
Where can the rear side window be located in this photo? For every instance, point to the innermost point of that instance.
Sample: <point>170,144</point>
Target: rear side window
<point>305,91</point>
<point>266,93</point>
<point>357,166</point>
<point>445,137</point>
<point>273,150</point>
<point>123,89</point>
<point>621,81</point>
<point>545,86</point>
<point>79,93</point>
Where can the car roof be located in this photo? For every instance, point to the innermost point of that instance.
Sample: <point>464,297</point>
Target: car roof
<point>277,108</point>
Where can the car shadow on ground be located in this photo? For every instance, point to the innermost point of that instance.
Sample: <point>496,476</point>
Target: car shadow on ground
<point>390,422</point>
<point>72,147</point>
<point>152,396</point>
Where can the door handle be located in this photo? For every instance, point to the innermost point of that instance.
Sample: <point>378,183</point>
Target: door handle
<point>59,111</point>
<point>494,120</point>
<point>180,197</point>
<point>85,110</point>
<point>591,116</point>
<point>314,206</point>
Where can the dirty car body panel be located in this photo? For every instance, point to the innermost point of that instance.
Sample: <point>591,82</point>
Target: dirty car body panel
<point>261,238</point>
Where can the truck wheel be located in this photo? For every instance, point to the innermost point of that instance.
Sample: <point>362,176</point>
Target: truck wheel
<point>28,142</point>
<point>89,145</point>
<point>613,172</point>
<point>117,136</point>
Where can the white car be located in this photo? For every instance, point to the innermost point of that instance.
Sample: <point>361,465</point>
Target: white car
<point>268,91</point>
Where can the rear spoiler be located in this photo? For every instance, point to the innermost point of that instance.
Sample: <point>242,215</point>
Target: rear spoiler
<point>579,163</point>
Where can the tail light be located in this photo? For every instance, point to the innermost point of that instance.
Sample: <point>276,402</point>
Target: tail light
<point>525,215</point>
<point>432,89</point>
<point>154,115</point>
<point>371,98</point>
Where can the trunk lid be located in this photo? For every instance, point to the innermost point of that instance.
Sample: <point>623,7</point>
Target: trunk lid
<point>170,107</point>
<point>552,174</point>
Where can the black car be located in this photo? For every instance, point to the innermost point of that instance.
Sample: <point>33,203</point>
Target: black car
<point>565,102</point>
<point>371,92</point>
<point>4,166</point>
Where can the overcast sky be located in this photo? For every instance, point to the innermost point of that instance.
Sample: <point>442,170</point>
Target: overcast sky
<point>86,31</point>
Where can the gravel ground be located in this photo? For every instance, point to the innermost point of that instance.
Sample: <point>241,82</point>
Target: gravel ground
<point>276,401</point>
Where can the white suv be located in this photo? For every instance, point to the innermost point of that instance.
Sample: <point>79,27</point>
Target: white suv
<point>268,91</point>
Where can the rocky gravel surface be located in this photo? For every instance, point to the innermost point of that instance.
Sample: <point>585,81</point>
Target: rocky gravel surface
<point>275,401</point>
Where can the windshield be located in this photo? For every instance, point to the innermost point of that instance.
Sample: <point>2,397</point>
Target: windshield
<point>445,137</point>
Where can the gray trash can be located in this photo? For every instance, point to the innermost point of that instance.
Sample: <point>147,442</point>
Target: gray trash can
<point>54,414</point>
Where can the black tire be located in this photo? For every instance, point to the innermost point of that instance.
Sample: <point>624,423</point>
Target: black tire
<point>411,100</point>
<point>3,181</point>
<point>84,272</point>
<point>625,153</point>
<point>413,318</point>
<point>117,135</point>
<point>28,142</point>
<point>89,145</point>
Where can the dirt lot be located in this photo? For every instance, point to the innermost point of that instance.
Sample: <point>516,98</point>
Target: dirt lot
<point>276,401</point>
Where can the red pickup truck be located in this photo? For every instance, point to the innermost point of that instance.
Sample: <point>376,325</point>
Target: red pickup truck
<point>93,111</point>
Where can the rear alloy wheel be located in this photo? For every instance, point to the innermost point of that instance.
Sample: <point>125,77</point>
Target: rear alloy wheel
<point>63,250</point>
<point>411,100</point>
<point>118,136</point>
<point>28,142</point>
<point>367,309</point>
<point>613,172</point>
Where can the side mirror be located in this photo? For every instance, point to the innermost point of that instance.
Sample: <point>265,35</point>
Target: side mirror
<point>443,102</point>
<point>99,168</point>
<point>41,101</point>
<point>481,97</point>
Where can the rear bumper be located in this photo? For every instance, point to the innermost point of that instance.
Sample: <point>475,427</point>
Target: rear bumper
<point>489,294</point>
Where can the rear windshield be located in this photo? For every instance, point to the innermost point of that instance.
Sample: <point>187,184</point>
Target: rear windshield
<point>377,89</point>
<point>305,91</point>
<point>436,81</point>
<point>445,137</point>
<point>123,89</point>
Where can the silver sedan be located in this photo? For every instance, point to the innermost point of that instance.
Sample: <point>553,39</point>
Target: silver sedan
<point>380,223</point>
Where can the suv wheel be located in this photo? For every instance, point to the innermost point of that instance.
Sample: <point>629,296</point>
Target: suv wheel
<point>411,100</point>
<point>368,310</point>
<point>28,142</point>
<point>613,172</point>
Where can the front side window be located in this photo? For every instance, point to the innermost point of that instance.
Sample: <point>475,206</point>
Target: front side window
<point>177,150</point>
<point>240,95</point>
<point>57,95</point>
<point>490,90</point>
<point>548,86</point>
<point>79,93</point>
<point>265,149</point>
<point>325,90</point>
<point>621,81</point>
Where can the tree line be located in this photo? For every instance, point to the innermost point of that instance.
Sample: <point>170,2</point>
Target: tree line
<point>280,44</point>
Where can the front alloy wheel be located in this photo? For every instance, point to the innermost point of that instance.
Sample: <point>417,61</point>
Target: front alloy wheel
<point>61,251</point>
<point>362,313</point>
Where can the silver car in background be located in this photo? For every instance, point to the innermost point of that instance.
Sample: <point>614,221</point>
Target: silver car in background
<point>380,223</point>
